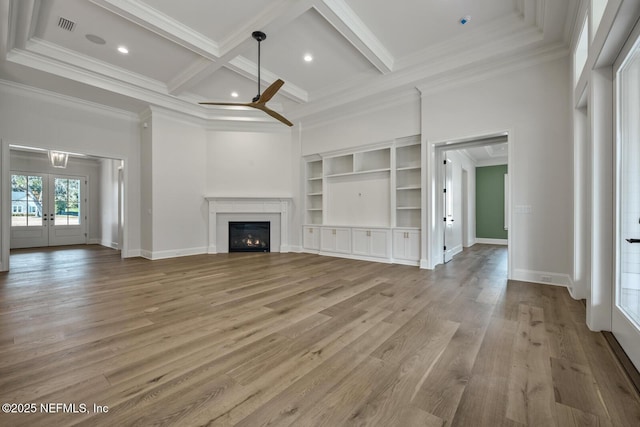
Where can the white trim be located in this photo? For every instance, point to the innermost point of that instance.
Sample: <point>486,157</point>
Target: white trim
<point>483,241</point>
<point>542,277</point>
<point>174,253</point>
<point>5,205</point>
<point>20,89</point>
<point>249,205</point>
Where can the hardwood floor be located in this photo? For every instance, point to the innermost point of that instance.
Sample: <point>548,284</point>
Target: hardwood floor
<point>297,340</point>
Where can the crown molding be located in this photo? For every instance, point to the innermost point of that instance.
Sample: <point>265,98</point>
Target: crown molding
<point>60,54</point>
<point>68,101</point>
<point>375,103</point>
<point>222,123</point>
<point>493,68</point>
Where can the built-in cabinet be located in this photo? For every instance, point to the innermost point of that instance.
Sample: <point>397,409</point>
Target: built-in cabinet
<point>365,203</point>
<point>372,242</point>
<point>337,240</point>
<point>406,245</point>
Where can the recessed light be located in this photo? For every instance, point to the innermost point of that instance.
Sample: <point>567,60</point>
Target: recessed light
<point>234,94</point>
<point>308,57</point>
<point>123,50</point>
<point>95,39</point>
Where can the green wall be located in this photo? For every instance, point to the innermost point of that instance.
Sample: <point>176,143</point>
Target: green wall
<point>490,202</point>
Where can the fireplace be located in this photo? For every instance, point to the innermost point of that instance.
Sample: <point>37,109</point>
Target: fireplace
<point>249,236</point>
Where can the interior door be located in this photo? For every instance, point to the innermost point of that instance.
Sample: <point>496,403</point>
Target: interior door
<point>448,209</point>
<point>626,305</point>
<point>47,210</point>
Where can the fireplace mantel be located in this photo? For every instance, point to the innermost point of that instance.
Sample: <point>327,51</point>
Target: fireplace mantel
<point>255,206</point>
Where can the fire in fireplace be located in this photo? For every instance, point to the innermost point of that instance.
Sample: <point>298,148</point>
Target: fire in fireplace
<point>249,236</point>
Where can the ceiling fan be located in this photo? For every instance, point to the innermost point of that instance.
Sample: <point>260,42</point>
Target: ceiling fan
<point>260,101</point>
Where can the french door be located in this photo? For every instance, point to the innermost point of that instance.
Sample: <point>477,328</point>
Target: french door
<point>626,305</point>
<point>47,210</point>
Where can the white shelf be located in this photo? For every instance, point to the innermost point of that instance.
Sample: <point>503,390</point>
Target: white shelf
<point>317,178</point>
<point>362,172</point>
<point>314,194</point>
<point>407,168</point>
<point>408,208</point>
<point>410,187</point>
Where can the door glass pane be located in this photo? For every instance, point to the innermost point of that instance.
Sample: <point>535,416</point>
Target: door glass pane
<point>26,201</point>
<point>628,286</point>
<point>67,201</point>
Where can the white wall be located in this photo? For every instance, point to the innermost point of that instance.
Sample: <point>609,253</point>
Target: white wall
<point>108,197</point>
<point>395,121</point>
<point>179,210</point>
<point>249,164</point>
<point>38,119</point>
<point>533,106</point>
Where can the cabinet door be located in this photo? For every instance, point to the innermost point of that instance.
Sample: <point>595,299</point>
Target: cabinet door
<point>343,240</point>
<point>406,245</point>
<point>378,243</point>
<point>328,239</point>
<point>412,248</point>
<point>311,238</point>
<point>360,242</point>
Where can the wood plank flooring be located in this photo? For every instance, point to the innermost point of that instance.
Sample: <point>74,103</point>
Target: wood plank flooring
<point>297,340</point>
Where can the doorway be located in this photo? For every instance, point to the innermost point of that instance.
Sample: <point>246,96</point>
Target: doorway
<point>47,210</point>
<point>455,202</point>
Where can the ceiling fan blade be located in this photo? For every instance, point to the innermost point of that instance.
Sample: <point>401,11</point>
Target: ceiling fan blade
<point>270,91</point>
<point>234,104</point>
<point>273,114</point>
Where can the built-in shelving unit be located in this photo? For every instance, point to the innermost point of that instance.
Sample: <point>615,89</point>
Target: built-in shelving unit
<point>314,191</point>
<point>408,185</point>
<point>365,203</point>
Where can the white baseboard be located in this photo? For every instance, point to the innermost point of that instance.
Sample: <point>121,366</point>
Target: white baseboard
<point>94,241</point>
<point>296,249</point>
<point>412,263</point>
<point>492,241</point>
<point>107,244</point>
<point>454,251</point>
<point>425,265</point>
<point>543,277</point>
<point>175,253</point>
<point>133,253</point>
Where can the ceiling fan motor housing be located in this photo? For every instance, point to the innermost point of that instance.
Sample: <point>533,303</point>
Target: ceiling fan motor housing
<point>258,35</point>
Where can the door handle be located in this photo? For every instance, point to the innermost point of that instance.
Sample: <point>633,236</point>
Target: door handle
<point>633,240</point>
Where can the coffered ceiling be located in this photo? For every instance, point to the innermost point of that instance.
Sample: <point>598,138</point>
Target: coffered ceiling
<point>183,52</point>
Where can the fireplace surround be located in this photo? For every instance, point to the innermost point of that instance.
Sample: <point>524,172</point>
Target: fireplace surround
<point>223,210</point>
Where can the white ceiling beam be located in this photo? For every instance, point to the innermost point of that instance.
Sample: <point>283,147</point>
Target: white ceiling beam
<point>270,20</point>
<point>344,19</point>
<point>213,56</point>
<point>147,17</point>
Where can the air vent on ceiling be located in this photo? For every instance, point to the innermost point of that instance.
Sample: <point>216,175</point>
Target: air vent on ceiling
<point>66,24</point>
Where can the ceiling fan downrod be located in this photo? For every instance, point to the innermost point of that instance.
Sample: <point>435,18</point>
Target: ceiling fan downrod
<point>259,36</point>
